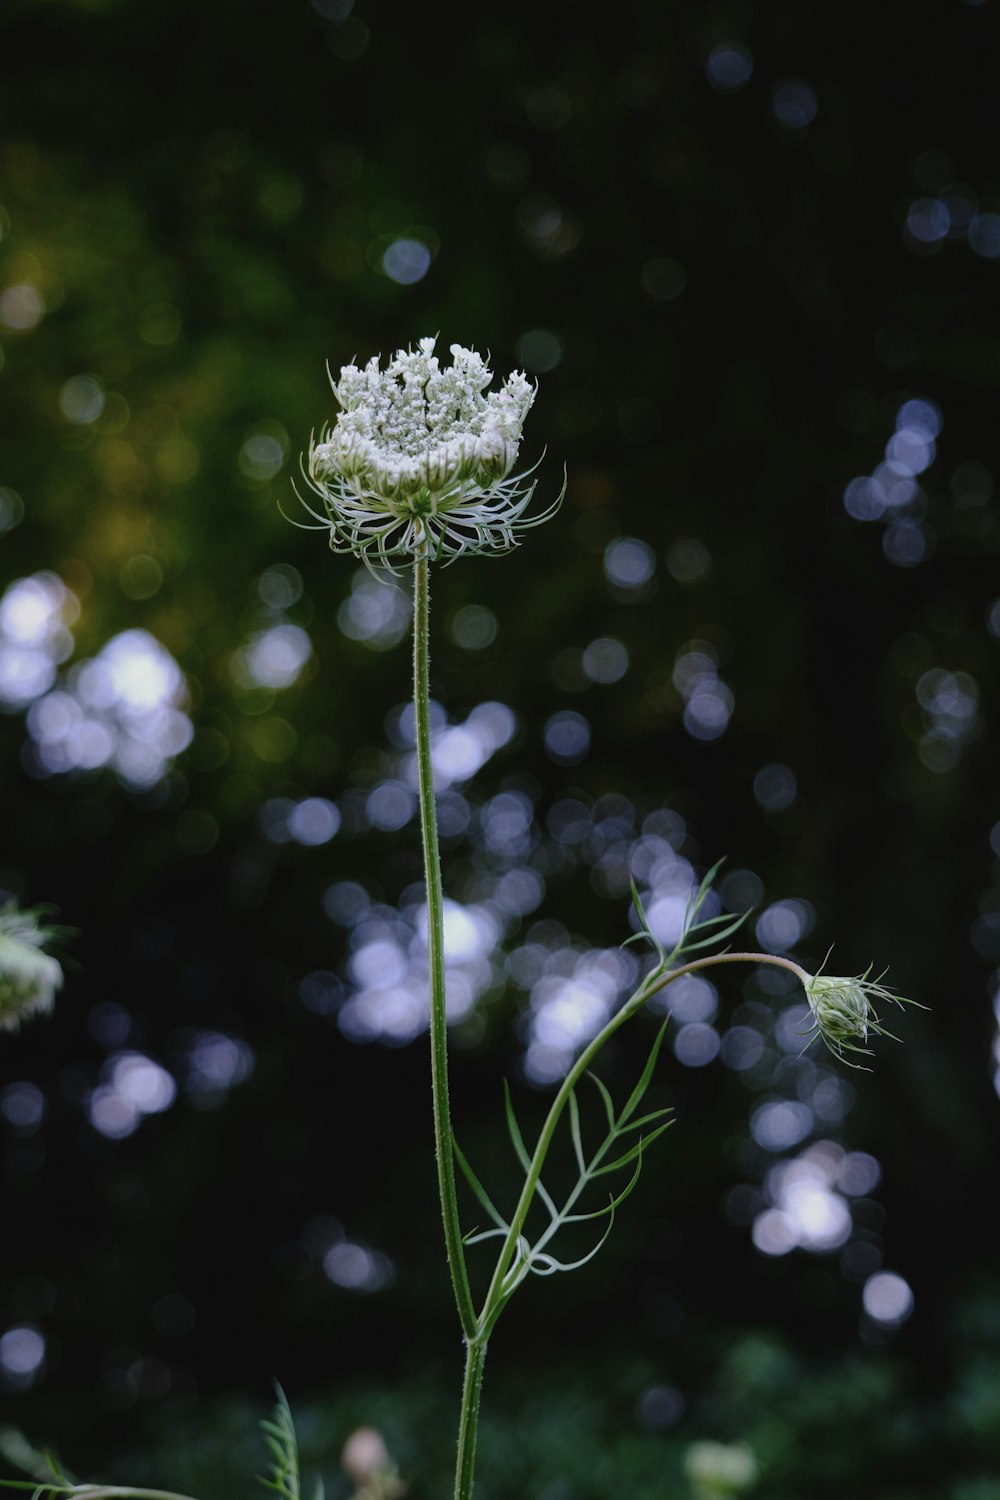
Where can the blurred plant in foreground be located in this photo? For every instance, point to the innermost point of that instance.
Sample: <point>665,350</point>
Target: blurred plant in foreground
<point>366,1460</point>
<point>29,977</point>
<point>716,1470</point>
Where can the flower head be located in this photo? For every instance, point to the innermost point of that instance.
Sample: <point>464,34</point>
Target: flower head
<point>419,460</point>
<point>843,1011</point>
<point>29,977</point>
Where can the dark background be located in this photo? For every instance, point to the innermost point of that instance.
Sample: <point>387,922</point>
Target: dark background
<point>731,242</point>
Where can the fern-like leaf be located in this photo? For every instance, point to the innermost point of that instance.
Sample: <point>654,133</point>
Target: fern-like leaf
<point>535,1257</point>
<point>284,1476</point>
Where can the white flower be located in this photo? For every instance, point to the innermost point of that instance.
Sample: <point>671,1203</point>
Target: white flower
<point>419,460</point>
<point>29,978</point>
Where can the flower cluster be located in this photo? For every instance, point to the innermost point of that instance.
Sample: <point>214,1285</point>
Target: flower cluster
<point>418,463</point>
<point>29,977</point>
<point>843,1011</point>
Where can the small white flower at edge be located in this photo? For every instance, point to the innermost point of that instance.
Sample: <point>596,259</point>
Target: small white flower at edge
<point>29,977</point>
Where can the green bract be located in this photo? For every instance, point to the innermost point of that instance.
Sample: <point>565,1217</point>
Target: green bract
<point>843,1010</point>
<point>419,460</point>
<point>29,977</point>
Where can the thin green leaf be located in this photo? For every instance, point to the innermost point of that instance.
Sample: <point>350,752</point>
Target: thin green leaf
<point>515,1129</point>
<point>612,1204</point>
<point>476,1186</point>
<point>707,883</point>
<point>636,1096</point>
<point>281,1442</point>
<point>645,931</point>
<point>623,1194</point>
<point>654,1114</point>
<point>476,1237</point>
<point>609,1106</point>
<point>574,1126</point>
<point>637,937</point>
<point>522,1152</point>
<point>554,1265</point>
<point>36,1463</point>
<point>639,909</point>
<point>632,1152</point>
<point>694,906</point>
<point>712,939</point>
<point>720,920</point>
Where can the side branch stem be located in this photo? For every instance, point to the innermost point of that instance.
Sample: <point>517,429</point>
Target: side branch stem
<point>435,950</point>
<point>658,980</point>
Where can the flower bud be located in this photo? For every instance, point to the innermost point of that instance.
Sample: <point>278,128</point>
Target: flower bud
<point>843,1011</point>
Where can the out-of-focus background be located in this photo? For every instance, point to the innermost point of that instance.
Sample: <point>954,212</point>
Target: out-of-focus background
<point>752,256</point>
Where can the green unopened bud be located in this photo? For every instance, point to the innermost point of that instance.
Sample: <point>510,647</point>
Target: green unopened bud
<point>843,1011</point>
<point>29,977</point>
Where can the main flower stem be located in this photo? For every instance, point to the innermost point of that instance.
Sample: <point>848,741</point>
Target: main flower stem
<point>435,950</point>
<point>472,1390</point>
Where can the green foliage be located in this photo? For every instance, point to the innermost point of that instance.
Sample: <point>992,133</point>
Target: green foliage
<point>695,935</point>
<point>50,1483</point>
<point>224,302</point>
<point>622,1136</point>
<point>284,1476</point>
<point>574,1426</point>
<point>47,1479</point>
<point>50,1489</point>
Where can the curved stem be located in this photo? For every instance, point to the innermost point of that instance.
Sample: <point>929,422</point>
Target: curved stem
<point>435,951</point>
<point>89,1491</point>
<point>465,1470</point>
<point>656,981</point>
<point>119,1492</point>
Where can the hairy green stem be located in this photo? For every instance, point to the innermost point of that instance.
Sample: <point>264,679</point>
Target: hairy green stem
<point>472,1390</point>
<point>658,980</point>
<point>435,951</point>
